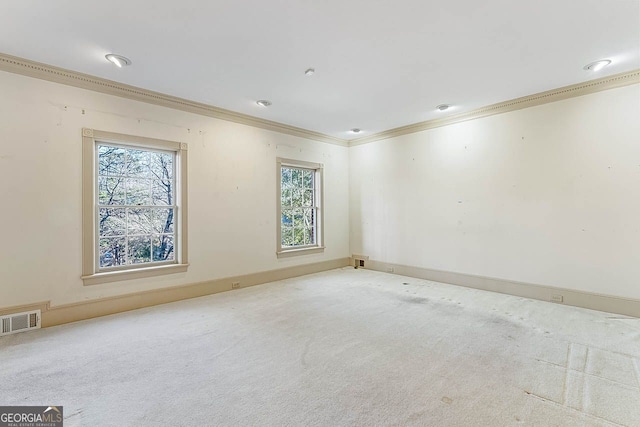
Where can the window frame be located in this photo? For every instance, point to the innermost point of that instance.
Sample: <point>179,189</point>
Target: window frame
<point>91,273</point>
<point>318,247</point>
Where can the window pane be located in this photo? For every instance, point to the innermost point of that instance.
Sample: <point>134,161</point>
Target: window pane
<point>139,221</point>
<point>307,217</point>
<point>297,197</point>
<point>308,179</point>
<point>287,218</point>
<point>308,198</point>
<point>161,166</point>
<point>311,236</point>
<point>112,222</point>
<point>308,236</point>
<point>163,248</point>
<point>287,236</point>
<point>111,191</point>
<point>298,237</point>
<point>298,218</point>
<point>163,220</point>
<point>162,192</point>
<point>286,177</point>
<point>111,160</point>
<point>138,191</point>
<point>139,249</point>
<point>138,163</point>
<point>286,197</point>
<point>296,177</point>
<point>112,252</point>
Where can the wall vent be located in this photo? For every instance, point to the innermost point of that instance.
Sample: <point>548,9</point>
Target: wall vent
<point>20,322</point>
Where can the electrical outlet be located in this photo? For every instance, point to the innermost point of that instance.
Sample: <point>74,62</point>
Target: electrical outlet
<point>235,285</point>
<point>557,298</point>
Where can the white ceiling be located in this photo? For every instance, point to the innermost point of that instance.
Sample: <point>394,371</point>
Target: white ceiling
<point>379,64</point>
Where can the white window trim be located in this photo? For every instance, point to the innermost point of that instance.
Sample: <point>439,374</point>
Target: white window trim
<point>90,273</point>
<point>319,194</point>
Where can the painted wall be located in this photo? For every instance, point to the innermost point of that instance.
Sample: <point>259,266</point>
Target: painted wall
<point>547,195</point>
<point>232,190</point>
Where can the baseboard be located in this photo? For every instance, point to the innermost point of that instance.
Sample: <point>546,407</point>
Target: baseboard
<point>593,301</point>
<point>42,306</point>
<point>57,315</point>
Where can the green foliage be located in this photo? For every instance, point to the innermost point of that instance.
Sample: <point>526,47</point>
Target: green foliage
<point>298,207</point>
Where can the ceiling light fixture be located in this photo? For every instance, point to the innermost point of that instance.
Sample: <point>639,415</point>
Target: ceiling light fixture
<point>309,71</point>
<point>597,65</point>
<point>443,107</point>
<point>355,130</point>
<point>118,60</point>
<point>263,103</point>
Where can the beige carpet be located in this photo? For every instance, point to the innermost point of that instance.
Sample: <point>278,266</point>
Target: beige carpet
<point>344,347</point>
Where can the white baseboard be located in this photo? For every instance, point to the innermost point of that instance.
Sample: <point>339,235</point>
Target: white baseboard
<point>593,301</point>
<point>59,314</point>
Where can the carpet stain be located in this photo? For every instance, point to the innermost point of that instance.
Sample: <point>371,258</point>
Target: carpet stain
<point>414,300</point>
<point>447,400</point>
<point>415,416</point>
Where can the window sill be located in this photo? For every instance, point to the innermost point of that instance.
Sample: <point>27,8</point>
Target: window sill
<point>138,273</point>
<point>286,253</point>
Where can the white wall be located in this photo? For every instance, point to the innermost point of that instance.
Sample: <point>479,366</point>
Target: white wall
<point>548,195</point>
<point>232,190</point>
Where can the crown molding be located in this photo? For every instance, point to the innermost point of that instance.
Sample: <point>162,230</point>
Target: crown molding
<point>38,70</point>
<point>572,91</point>
<point>50,73</point>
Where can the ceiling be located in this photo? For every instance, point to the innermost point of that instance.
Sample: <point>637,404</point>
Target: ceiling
<point>379,64</point>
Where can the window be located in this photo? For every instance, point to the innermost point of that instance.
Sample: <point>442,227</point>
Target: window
<point>299,208</point>
<point>134,203</point>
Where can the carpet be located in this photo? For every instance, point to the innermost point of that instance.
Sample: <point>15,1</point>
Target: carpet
<point>344,347</point>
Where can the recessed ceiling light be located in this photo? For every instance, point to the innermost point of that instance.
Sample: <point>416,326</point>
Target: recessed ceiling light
<point>309,72</point>
<point>355,130</point>
<point>597,65</point>
<point>443,107</point>
<point>118,60</point>
<point>263,103</point>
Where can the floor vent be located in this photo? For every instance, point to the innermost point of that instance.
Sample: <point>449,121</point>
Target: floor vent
<point>20,322</point>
